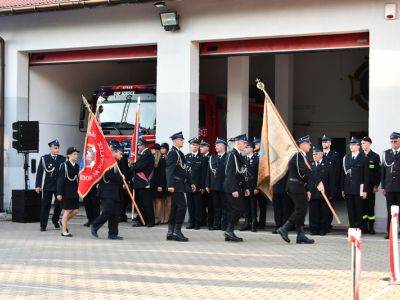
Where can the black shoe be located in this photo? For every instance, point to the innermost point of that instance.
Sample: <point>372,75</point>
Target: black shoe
<point>66,235</point>
<point>254,226</point>
<point>178,235</point>
<point>223,227</point>
<point>230,235</point>
<point>211,228</point>
<point>122,219</point>
<point>190,226</point>
<point>87,224</point>
<point>170,232</point>
<point>322,233</point>
<point>301,237</point>
<point>93,231</point>
<point>115,237</point>
<point>151,224</point>
<point>314,233</point>
<point>196,227</point>
<point>56,225</point>
<point>42,228</point>
<point>283,231</point>
<point>275,231</point>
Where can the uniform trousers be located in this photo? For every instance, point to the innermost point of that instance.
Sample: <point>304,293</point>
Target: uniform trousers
<point>319,216</point>
<point>195,208</point>
<point>300,208</point>
<point>235,207</point>
<point>109,213</point>
<point>178,208</point>
<point>145,199</point>
<point>47,197</point>
<point>220,209</point>
<point>354,210</point>
<point>283,208</point>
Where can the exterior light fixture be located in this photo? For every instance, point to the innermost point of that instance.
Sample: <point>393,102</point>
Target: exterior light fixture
<point>170,21</point>
<point>160,4</point>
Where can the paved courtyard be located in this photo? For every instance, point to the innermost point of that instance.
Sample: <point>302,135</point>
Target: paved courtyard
<point>44,265</point>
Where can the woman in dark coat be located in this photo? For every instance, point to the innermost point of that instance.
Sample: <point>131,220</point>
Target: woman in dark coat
<point>67,188</point>
<point>158,184</point>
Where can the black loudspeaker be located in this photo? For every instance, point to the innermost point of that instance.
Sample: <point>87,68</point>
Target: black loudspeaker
<point>26,136</point>
<point>26,206</point>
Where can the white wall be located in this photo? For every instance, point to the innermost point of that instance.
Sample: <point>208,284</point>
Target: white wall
<point>204,20</point>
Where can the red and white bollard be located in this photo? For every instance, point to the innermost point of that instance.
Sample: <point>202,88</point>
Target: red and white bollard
<point>354,237</point>
<point>394,246</point>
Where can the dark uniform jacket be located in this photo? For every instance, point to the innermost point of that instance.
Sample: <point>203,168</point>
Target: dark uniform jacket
<point>109,185</point>
<point>159,179</point>
<point>143,170</point>
<point>176,170</point>
<point>300,174</point>
<point>324,171</point>
<point>234,172</point>
<point>215,176</point>
<point>67,180</point>
<point>194,163</point>
<point>251,171</point>
<point>355,173</point>
<point>374,169</point>
<point>46,176</point>
<point>391,171</point>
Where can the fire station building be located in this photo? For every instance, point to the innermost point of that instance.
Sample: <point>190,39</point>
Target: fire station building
<point>331,67</point>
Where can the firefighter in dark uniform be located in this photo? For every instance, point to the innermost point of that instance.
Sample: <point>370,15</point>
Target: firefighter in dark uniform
<point>355,182</point>
<point>260,198</point>
<point>46,183</point>
<point>299,175</point>
<point>208,208</point>
<point>333,159</point>
<point>234,186</point>
<point>391,175</point>
<point>374,180</point>
<point>214,185</point>
<point>251,161</point>
<point>320,215</point>
<point>67,188</point>
<point>194,164</point>
<point>143,172</point>
<point>109,193</point>
<point>177,181</point>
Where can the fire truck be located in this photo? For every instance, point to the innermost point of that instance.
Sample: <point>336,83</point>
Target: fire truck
<point>118,110</point>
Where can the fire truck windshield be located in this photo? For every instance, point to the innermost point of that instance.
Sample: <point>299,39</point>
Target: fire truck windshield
<point>119,112</point>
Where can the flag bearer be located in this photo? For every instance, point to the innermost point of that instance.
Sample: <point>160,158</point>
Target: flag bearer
<point>109,194</point>
<point>299,174</point>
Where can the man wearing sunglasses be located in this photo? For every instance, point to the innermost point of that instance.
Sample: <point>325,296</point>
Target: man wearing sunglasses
<point>391,175</point>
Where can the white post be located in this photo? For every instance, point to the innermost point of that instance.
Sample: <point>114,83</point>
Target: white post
<point>238,96</point>
<point>284,87</point>
<point>177,89</point>
<point>394,245</point>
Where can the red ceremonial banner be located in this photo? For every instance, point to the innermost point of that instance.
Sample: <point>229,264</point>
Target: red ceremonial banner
<point>97,158</point>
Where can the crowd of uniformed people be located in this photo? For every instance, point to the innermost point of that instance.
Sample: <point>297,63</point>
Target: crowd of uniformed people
<point>220,188</point>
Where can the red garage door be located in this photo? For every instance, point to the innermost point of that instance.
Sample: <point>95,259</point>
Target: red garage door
<point>286,44</point>
<point>93,55</point>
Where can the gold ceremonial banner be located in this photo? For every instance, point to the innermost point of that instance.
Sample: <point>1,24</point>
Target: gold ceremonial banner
<point>277,146</point>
